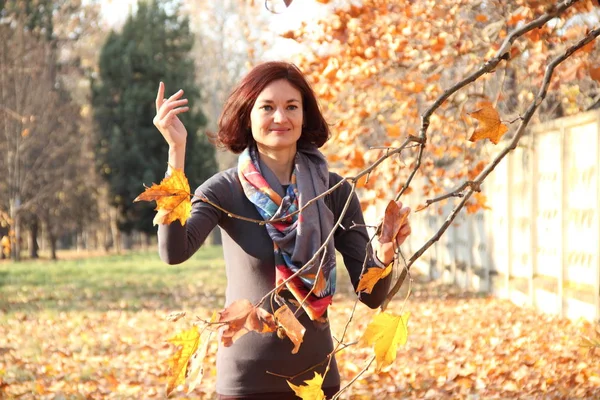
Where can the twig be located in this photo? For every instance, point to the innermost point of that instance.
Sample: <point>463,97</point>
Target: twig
<point>329,357</point>
<point>337,395</point>
<point>475,186</point>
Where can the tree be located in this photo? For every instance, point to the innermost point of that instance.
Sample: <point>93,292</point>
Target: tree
<point>154,45</point>
<point>44,174</point>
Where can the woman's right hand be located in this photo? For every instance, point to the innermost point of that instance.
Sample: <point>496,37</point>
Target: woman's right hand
<point>166,120</point>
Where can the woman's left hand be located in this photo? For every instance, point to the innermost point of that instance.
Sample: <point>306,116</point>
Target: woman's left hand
<point>385,251</point>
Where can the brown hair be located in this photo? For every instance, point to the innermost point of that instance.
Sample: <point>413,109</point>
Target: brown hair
<point>234,132</point>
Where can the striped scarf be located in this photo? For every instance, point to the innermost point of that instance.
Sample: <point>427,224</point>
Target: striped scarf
<point>298,237</point>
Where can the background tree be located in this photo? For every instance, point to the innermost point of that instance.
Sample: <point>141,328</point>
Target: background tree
<point>154,45</point>
<point>43,144</point>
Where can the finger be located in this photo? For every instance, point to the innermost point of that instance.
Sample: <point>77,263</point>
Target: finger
<point>405,230</point>
<point>175,112</point>
<point>176,95</point>
<point>170,105</point>
<point>160,96</point>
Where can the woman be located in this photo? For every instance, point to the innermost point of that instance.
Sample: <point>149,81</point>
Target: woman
<point>273,119</point>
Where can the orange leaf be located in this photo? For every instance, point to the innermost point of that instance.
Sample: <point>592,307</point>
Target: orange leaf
<point>393,130</point>
<point>490,126</point>
<point>172,198</point>
<point>392,222</point>
<point>189,341</point>
<point>242,317</point>
<point>371,277</point>
<point>481,18</point>
<point>289,324</point>
<point>312,390</point>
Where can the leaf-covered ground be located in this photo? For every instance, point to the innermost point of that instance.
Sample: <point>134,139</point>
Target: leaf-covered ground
<point>96,329</point>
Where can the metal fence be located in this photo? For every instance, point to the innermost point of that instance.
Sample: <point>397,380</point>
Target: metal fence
<point>539,243</point>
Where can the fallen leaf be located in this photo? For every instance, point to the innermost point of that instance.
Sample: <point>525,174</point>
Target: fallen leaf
<point>176,316</point>
<point>189,341</point>
<point>289,324</point>
<point>172,198</point>
<point>386,332</point>
<point>312,390</point>
<point>490,126</point>
<point>242,317</point>
<point>371,277</point>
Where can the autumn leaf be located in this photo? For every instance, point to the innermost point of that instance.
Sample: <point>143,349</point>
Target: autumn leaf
<point>196,368</point>
<point>386,332</point>
<point>290,326</point>
<point>172,198</point>
<point>176,316</point>
<point>189,341</point>
<point>312,390</point>
<point>242,317</point>
<point>392,222</point>
<point>490,126</point>
<point>371,277</point>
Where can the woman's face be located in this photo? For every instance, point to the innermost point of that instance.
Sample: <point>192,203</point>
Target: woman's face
<point>276,117</point>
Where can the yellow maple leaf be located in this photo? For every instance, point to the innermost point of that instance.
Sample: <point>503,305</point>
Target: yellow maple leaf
<point>172,198</point>
<point>189,341</point>
<point>371,277</point>
<point>312,390</point>
<point>490,126</point>
<point>387,332</point>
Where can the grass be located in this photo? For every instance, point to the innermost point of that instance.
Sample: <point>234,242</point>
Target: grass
<point>132,282</point>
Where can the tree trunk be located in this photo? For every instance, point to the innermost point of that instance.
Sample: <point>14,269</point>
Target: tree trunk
<point>52,242</point>
<point>16,237</point>
<point>114,230</point>
<point>33,239</point>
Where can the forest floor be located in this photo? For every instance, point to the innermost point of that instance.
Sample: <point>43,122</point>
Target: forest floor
<point>96,328</point>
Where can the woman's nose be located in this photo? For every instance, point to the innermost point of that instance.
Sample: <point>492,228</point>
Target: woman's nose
<point>279,115</point>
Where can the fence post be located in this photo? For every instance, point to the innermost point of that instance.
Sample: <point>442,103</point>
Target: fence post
<point>597,218</point>
<point>534,217</point>
<point>509,223</point>
<point>561,210</point>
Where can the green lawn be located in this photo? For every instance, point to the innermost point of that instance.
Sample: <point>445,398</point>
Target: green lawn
<point>132,282</point>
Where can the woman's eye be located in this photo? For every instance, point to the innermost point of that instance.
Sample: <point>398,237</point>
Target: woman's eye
<point>266,108</point>
<point>292,108</point>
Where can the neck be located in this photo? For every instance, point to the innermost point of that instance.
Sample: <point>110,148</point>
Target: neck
<point>281,162</point>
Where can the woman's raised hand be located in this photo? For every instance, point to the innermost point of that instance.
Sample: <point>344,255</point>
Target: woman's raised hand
<point>166,119</point>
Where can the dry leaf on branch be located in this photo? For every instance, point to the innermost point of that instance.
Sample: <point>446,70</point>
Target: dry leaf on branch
<point>312,390</point>
<point>393,220</point>
<point>189,341</point>
<point>172,198</point>
<point>386,332</point>
<point>289,324</point>
<point>490,126</point>
<point>242,317</point>
<point>371,277</point>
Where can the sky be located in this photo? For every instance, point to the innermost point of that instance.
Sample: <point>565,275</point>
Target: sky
<point>115,13</point>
